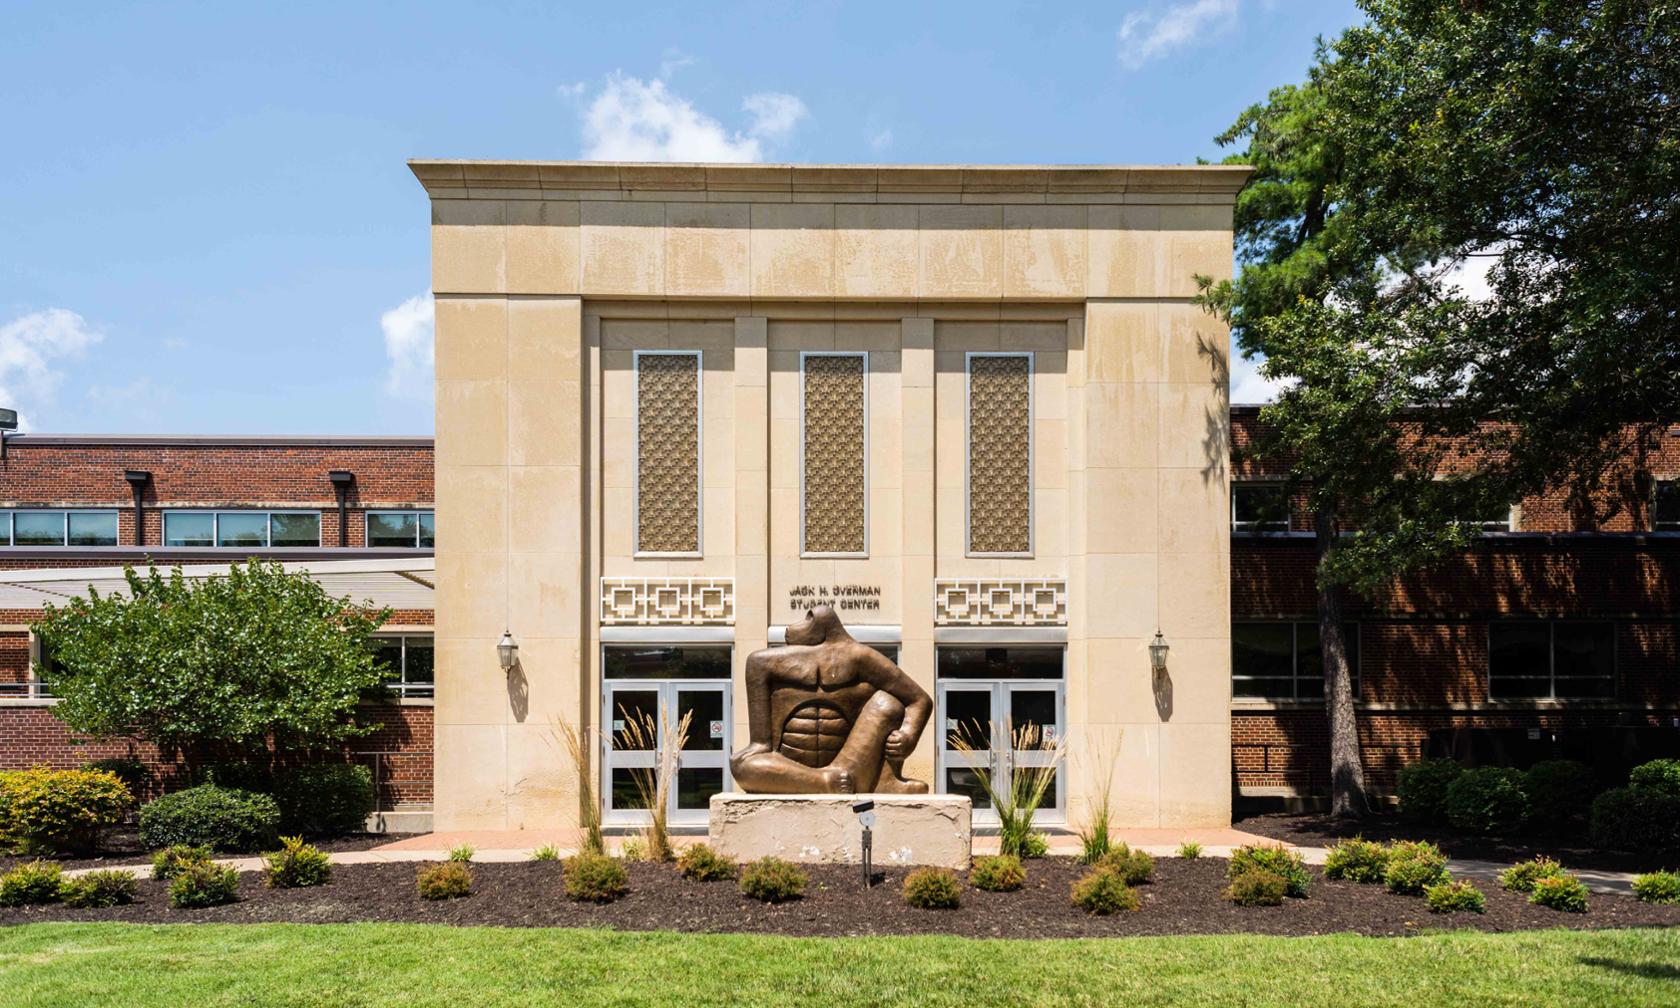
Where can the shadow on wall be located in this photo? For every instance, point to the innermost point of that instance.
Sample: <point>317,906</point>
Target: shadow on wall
<point>519,691</point>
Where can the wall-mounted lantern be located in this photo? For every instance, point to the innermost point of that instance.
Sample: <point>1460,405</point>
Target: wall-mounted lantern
<point>1158,654</point>
<point>507,651</point>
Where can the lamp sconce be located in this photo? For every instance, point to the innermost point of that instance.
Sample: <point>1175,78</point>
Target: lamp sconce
<point>507,651</point>
<point>1158,649</point>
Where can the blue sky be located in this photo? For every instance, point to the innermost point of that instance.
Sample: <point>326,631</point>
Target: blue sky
<point>206,225</point>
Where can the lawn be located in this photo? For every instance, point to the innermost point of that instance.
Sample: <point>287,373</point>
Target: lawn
<point>376,965</point>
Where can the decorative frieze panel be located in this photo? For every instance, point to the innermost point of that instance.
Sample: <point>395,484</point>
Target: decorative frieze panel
<point>667,452</point>
<point>1000,602</point>
<point>833,412</point>
<point>999,453</point>
<point>676,601</point>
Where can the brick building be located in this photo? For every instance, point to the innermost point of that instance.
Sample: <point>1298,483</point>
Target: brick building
<point>355,512</point>
<point>1542,626</point>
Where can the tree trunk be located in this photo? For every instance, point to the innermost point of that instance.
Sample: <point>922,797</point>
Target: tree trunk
<point>1347,770</point>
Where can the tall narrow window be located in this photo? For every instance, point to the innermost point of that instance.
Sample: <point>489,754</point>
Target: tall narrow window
<point>668,452</point>
<point>999,435</point>
<point>834,454</point>
<point>1665,510</point>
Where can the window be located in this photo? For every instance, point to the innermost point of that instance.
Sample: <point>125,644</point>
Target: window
<point>1494,520</point>
<point>1283,661</point>
<point>1665,509</point>
<point>401,528</point>
<point>246,529</point>
<point>409,664</point>
<point>58,528</point>
<point>834,453</point>
<point>1259,507</point>
<point>1551,659</point>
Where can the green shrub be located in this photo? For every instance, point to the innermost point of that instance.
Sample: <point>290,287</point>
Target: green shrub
<point>1104,892</point>
<point>1414,866</point>
<point>1034,846</point>
<point>462,853</point>
<point>1000,873</point>
<point>1640,819</point>
<point>134,774</point>
<point>1454,897</point>
<point>35,882</point>
<point>449,880</point>
<point>49,811</point>
<point>203,885</point>
<point>1657,887</point>
<point>1356,860</point>
<point>331,799</point>
<point>1190,850</point>
<point>1422,789</point>
<point>1133,866</point>
<point>1257,887</point>
<point>703,864</point>
<point>595,878</point>
<point>1661,776</point>
<point>1560,892</point>
<point>106,888</point>
<point>773,880</point>
<point>224,819</point>
<point>1487,800</point>
<point>932,889</point>
<point>1560,793</point>
<point>296,865</point>
<point>633,849</point>
<point>1521,876</point>
<point>171,861</point>
<point>547,852</point>
<point>241,775</point>
<point>1275,858</point>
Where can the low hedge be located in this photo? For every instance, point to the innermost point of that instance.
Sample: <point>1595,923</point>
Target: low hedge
<point>331,799</point>
<point>58,811</point>
<point>1639,819</point>
<point>1560,794</point>
<point>1422,789</point>
<point>224,819</point>
<point>1487,800</point>
<point>106,888</point>
<point>1356,860</point>
<point>1275,858</point>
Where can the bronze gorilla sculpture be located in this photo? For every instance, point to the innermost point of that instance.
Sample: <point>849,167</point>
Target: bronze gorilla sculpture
<point>828,715</point>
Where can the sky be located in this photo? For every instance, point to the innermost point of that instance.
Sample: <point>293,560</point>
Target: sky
<point>207,225</point>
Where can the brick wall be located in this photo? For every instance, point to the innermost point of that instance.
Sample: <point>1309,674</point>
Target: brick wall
<point>53,472</point>
<point>1423,638</point>
<point>400,752</point>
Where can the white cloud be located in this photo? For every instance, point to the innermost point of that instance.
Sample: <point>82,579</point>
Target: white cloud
<point>630,119</point>
<point>408,348</point>
<point>1145,35</point>
<point>1248,385</point>
<point>880,139</point>
<point>139,401</point>
<point>31,348</point>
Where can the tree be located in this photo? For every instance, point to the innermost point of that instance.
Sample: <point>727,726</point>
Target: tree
<point>257,656</point>
<point>1431,134</point>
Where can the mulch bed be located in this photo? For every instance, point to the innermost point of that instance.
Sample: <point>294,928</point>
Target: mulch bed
<point>121,847</point>
<point>1318,830</point>
<point>1183,899</point>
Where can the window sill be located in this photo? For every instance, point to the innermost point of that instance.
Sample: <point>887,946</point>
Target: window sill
<point>29,701</point>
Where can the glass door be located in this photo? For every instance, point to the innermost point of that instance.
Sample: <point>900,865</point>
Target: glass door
<point>968,715</point>
<point>642,718</point>
<point>1006,706</point>
<point>1034,711</point>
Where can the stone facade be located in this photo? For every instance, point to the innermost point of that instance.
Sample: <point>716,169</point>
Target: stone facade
<point>1109,481</point>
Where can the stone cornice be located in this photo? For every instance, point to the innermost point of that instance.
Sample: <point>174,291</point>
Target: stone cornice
<point>466,179</point>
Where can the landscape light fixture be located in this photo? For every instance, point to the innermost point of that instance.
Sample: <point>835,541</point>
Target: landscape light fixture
<point>507,651</point>
<point>866,818</point>
<point>1158,654</point>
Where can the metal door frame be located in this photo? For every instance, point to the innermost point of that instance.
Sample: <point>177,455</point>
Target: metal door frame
<point>666,691</point>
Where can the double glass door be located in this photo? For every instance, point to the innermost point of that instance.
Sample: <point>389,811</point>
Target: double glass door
<point>640,718</point>
<point>1004,728</point>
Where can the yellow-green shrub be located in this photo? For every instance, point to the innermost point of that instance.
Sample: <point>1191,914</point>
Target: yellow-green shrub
<point>47,811</point>
<point>1103,892</point>
<point>1001,873</point>
<point>448,880</point>
<point>932,889</point>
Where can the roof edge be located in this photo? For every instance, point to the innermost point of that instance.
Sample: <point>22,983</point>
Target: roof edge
<point>15,441</point>
<point>458,178</point>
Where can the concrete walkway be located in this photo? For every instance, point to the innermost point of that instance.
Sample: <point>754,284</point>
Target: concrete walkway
<point>504,846</point>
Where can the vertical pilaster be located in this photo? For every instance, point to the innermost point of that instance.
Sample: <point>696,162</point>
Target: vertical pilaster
<point>752,496</point>
<point>916,655</point>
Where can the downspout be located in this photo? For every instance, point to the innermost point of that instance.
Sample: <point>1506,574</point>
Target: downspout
<point>342,479</point>
<point>137,480</point>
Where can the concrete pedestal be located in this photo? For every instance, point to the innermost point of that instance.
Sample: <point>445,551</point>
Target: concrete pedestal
<point>812,828</point>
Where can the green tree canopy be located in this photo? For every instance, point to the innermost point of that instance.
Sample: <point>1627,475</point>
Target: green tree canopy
<point>259,654</point>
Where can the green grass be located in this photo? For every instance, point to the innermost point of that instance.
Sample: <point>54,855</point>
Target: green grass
<point>408,966</point>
